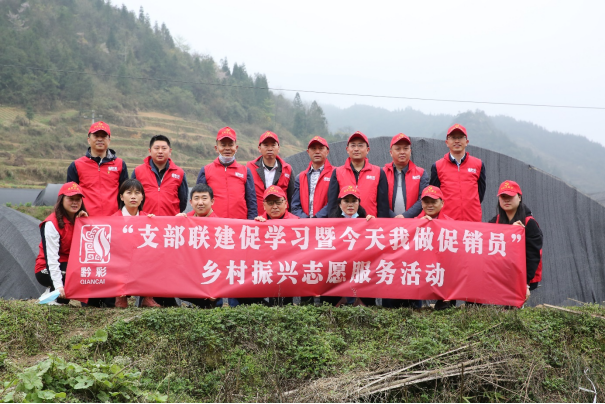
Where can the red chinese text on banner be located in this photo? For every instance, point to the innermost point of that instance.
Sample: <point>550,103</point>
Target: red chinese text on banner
<point>202,257</point>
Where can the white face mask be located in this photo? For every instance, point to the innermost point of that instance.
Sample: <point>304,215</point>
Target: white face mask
<point>226,160</point>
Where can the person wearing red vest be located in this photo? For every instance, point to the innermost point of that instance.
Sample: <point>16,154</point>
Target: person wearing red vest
<point>406,180</point>
<point>370,179</point>
<point>229,180</point>
<point>202,202</point>
<point>132,201</point>
<point>461,178</point>
<point>432,208</point>
<point>164,182</point>
<point>511,210</point>
<point>310,198</point>
<point>100,172</point>
<point>57,232</point>
<point>432,204</point>
<point>275,205</point>
<point>269,169</point>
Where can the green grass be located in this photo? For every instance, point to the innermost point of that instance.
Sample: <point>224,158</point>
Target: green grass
<point>39,212</point>
<point>318,354</point>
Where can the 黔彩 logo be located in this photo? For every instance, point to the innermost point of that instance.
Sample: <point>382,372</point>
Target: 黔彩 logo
<point>94,243</point>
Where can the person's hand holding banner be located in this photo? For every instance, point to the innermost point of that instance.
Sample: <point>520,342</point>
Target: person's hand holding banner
<point>205,257</point>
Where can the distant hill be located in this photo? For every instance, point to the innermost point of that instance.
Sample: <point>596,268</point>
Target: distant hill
<point>62,59</point>
<point>573,158</point>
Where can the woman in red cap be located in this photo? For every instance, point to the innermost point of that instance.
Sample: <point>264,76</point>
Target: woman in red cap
<point>348,207</point>
<point>57,231</point>
<point>512,210</point>
<point>132,200</point>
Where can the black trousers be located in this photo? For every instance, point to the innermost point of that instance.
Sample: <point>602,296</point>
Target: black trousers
<point>44,279</point>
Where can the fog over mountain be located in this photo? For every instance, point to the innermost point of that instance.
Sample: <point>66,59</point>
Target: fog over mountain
<point>574,158</point>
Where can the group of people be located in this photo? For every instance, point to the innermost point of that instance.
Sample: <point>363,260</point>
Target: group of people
<point>268,189</point>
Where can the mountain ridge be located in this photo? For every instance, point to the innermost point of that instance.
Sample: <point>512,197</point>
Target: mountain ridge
<point>577,163</point>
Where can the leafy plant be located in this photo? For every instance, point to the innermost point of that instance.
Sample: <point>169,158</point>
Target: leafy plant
<point>54,379</point>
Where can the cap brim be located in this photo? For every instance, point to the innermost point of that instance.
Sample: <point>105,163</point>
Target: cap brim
<point>269,138</point>
<point>432,197</point>
<point>357,137</point>
<point>225,137</point>
<point>457,131</point>
<point>402,140</point>
<point>99,130</point>
<point>317,142</point>
<point>509,193</point>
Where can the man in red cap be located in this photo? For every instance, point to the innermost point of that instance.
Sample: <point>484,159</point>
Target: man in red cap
<point>370,179</point>
<point>275,205</point>
<point>100,173</point>
<point>269,169</point>
<point>165,183</point>
<point>310,198</point>
<point>406,180</point>
<point>461,178</point>
<point>229,180</point>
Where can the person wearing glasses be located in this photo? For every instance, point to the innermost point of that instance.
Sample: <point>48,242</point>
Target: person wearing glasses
<point>275,204</point>
<point>461,177</point>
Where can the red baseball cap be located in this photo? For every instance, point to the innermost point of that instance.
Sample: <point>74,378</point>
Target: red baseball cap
<point>320,140</point>
<point>400,137</point>
<point>71,189</point>
<point>99,126</point>
<point>349,190</point>
<point>432,192</point>
<point>274,190</point>
<point>509,188</point>
<point>456,127</point>
<point>360,135</point>
<point>268,135</point>
<point>226,132</point>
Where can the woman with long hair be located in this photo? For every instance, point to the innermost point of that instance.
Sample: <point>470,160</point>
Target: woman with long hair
<point>57,232</point>
<point>511,210</point>
<point>132,200</point>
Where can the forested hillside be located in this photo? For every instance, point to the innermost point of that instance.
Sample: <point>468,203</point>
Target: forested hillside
<point>62,59</point>
<point>573,158</point>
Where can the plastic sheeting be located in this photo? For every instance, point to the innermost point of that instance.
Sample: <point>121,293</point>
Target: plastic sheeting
<point>48,196</point>
<point>19,240</point>
<point>573,224</point>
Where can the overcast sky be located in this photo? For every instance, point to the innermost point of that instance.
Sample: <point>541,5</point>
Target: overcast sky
<point>537,52</point>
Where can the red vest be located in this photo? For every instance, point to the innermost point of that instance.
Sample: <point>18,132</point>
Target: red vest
<point>162,200</point>
<point>213,214</point>
<point>460,187</point>
<point>229,187</point>
<point>412,183</point>
<point>288,215</point>
<point>320,197</point>
<point>538,276</point>
<point>100,185</point>
<point>440,216</point>
<point>259,185</point>
<point>369,176</point>
<point>65,233</point>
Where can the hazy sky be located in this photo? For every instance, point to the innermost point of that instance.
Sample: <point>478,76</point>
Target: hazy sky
<point>537,52</point>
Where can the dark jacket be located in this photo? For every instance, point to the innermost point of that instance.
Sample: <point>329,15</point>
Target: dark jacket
<point>533,238</point>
